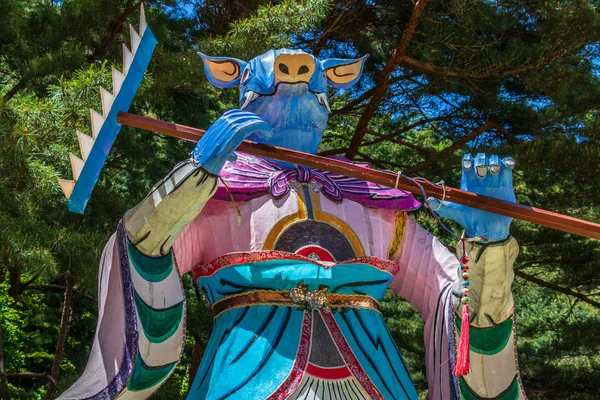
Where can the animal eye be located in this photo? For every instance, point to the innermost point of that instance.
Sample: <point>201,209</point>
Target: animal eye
<point>246,75</point>
<point>283,68</point>
<point>302,70</point>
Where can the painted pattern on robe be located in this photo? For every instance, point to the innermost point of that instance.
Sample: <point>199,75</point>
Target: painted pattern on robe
<point>333,232</point>
<point>308,243</point>
<point>282,349</point>
<point>253,348</point>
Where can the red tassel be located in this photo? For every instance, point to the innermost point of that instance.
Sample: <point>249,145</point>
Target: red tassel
<point>463,358</point>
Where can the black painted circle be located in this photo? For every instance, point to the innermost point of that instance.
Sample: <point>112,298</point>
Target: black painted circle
<point>314,233</point>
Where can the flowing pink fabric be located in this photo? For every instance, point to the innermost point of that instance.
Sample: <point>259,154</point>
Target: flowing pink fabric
<point>427,271</point>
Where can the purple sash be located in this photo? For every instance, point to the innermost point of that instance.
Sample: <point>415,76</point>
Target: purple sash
<point>250,177</point>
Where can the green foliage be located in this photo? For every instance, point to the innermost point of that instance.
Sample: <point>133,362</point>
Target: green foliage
<point>275,25</point>
<point>531,64</point>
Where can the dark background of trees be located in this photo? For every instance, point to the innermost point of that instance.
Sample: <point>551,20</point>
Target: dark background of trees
<point>443,78</point>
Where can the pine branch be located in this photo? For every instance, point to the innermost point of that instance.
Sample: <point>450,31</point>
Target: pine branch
<point>391,137</point>
<point>20,85</point>
<point>319,42</point>
<point>508,135</point>
<point>113,28</point>
<point>349,106</point>
<point>492,123</point>
<point>477,75</point>
<point>24,285</point>
<point>557,288</point>
<point>380,164</point>
<point>32,375</point>
<point>332,152</point>
<point>58,288</point>
<point>98,53</point>
<point>383,80</point>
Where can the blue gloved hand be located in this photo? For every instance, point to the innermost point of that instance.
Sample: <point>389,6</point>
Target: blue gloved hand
<point>225,135</point>
<point>489,177</point>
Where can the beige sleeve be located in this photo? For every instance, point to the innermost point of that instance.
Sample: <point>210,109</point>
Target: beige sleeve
<point>490,280</point>
<point>155,223</point>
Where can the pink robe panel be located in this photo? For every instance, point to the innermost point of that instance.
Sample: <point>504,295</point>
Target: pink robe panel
<point>427,268</point>
<point>216,232</point>
<point>425,278</point>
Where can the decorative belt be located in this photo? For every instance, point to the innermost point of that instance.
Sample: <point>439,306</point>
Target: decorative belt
<point>299,297</point>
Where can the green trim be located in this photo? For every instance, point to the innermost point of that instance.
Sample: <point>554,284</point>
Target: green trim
<point>489,341</point>
<point>511,393</point>
<point>158,325</point>
<point>152,269</point>
<point>145,377</point>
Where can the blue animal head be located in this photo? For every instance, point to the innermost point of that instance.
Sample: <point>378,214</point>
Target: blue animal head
<point>287,89</point>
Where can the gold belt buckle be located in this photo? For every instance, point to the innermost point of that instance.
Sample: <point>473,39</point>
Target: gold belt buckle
<point>310,299</point>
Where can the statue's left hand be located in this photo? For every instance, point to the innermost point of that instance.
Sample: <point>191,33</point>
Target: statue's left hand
<point>489,177</point>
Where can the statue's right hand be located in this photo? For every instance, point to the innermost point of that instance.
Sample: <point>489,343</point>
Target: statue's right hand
<point>224,136</point>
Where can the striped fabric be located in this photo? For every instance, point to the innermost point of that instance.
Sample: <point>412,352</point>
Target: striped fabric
<point>160,312</point>
<point>313,388</point>
<point>141,325</point>
<point>427,278</point>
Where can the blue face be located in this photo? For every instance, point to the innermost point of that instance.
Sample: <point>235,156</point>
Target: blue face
<point>288,90</point>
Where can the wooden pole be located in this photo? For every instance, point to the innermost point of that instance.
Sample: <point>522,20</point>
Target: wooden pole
<point>518,211</point>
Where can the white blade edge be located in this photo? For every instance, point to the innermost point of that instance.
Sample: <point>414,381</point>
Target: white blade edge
<point>117,77</point>
<point>85,144</point>
<point>66,186</point>
<point>97,121</point>
<point>107,101</point>
<point>127,59</point>
<point>135,38</point>
<point>77,165</point>
<point>143,23</point>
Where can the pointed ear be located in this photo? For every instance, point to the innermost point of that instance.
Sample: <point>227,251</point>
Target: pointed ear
<point>222,72</point>
<point>342,73</point>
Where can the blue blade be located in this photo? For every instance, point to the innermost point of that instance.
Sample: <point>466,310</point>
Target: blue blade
<point>109,130</point>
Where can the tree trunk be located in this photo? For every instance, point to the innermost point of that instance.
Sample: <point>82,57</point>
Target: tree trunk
<point>197,353</point>
<point>62,336</point>
<point>4,387</point>
<point>492,123</point>
<point>14,290</point>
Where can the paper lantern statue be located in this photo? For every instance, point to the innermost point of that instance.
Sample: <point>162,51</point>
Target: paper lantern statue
<point>294,262</point>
